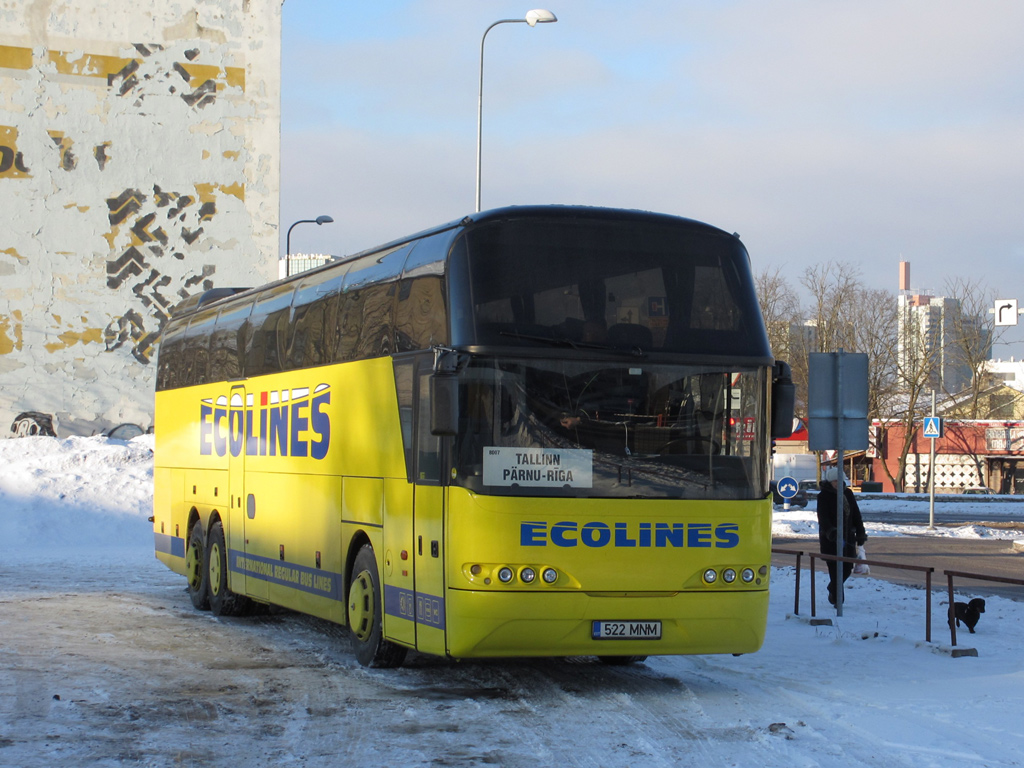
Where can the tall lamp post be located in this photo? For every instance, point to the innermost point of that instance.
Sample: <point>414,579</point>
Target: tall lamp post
<point>288,239</point>
<point>534,17</point>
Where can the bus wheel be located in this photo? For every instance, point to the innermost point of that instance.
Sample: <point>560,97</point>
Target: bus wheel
<point>621,661</point>
<point>223,602</point>
<point>364,615</point>
<point>195,569</point>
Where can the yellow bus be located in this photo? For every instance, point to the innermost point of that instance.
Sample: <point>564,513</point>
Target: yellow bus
<point>537,431</point>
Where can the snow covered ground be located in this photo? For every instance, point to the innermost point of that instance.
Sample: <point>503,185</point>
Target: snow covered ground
<point>800,523</point>
<point>103,662</point>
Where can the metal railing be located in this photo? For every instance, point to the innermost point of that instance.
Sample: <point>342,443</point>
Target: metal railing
<point>926,570</point>
<point>978,577</point>
<point>796,592</point>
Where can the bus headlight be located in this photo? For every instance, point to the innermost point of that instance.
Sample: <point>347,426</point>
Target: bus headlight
<point>528,575</point>
<point>728,575</point>
<point>550,575</point>
<point>747,575</point>
<point>710,576</point>
<point>505,574</point>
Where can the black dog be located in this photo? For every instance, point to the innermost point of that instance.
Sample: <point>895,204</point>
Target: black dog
<point>968,613</point>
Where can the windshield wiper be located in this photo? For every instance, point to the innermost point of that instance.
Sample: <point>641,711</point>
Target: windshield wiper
<point>554,341</point>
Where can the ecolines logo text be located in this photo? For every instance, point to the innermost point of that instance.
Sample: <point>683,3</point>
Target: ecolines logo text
<point>597,534</point>
<point>284,423</point>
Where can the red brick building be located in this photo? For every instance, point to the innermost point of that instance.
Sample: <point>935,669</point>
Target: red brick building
<point>969,455</point>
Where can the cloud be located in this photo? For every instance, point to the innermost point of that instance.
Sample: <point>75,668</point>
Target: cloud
<point>867,132</point>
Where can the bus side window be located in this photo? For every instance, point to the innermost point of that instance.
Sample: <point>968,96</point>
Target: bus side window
<point>276,330</point>
<point>421,313</point>
<point>377,327</point>
<point>197,347</point>
<point>368,304</point>
<point>346,332</point>
<point>226,343</point>
<point>269,320</point>
<point>171,357</point>
<point>403,386</point>
<point>420,317</point>
<point>476,425</point>
<point>428,446</point>
<point>364,326</point>
<point>313,310</point>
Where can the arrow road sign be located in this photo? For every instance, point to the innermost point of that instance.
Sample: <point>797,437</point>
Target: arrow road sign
<point>1006,311</point>
<point>787,487</point>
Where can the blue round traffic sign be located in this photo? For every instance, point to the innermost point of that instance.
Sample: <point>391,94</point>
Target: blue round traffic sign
<point>788,487</point>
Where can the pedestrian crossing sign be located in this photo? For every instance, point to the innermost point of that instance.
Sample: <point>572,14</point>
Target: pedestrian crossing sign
<point>932,426</point>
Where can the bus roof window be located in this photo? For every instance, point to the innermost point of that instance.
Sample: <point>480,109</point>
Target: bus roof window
<point>429,256</point>
<point>537,279</point>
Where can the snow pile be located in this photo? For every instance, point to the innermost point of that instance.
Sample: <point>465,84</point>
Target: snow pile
<point>75,492</point>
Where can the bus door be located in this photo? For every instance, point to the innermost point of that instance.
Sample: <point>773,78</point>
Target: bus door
<point>428,524</point>
<point>234,525</point>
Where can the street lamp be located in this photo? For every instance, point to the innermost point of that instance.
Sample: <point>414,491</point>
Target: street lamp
<point>534,17</point>
<point>288,239</point>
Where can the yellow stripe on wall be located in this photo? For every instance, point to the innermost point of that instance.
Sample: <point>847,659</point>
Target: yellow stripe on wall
<point>88,64</point>
<point>13,57</point>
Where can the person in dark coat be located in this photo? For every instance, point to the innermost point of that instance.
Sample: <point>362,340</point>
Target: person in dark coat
<point>854,534</point>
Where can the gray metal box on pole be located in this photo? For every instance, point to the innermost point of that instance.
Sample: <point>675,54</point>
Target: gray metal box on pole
<point>837,420</point>
<point>837,401</point>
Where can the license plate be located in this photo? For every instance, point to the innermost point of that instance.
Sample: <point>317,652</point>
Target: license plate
<point>626,630</point>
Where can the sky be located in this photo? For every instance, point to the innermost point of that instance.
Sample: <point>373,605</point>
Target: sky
<point>863,133</point>
<point>135,674</point>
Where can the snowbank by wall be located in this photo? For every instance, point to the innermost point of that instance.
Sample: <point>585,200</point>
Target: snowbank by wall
<point>139,163</point>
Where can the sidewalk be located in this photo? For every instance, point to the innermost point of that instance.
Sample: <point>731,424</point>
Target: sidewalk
<point>986,556</point>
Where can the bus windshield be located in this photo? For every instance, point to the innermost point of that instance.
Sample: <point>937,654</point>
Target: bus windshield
<point>637,286</point>
<point>594,429</point>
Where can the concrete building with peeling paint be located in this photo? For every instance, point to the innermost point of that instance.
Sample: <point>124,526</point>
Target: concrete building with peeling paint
<point>139,164</point>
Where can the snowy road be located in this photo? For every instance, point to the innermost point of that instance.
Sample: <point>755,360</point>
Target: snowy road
<point>107,664</point>
<point>104,662</point>
<point>116,668</point>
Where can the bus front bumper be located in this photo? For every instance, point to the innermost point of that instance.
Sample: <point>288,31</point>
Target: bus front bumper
<point>486,624</point>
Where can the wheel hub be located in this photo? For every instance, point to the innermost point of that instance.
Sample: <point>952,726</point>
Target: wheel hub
<point>215,569</point>
<point>194,566</point>
<point>361,602</point>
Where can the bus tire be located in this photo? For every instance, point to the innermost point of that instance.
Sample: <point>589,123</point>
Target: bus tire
<point>223,602</point>
<point>365,606</point>
<point>196,572</point>
<point>621,661</point>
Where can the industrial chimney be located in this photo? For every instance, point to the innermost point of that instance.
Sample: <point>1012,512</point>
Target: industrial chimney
<point>904,275</point>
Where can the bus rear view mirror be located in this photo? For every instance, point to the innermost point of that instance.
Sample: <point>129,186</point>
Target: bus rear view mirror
<point>444,405</point>
<point>783,400</point>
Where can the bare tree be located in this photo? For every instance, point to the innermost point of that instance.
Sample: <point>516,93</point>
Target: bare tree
<point>780,307</point>
<point>971,333</point>
<point>916,358</point>
<point>904,357</point>
<point>834,288</point>
<point>830,323</point>
<point>875,323</point>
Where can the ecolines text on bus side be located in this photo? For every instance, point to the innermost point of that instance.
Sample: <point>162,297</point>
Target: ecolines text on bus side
<point>600,534</point>
<point>284,423</point>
